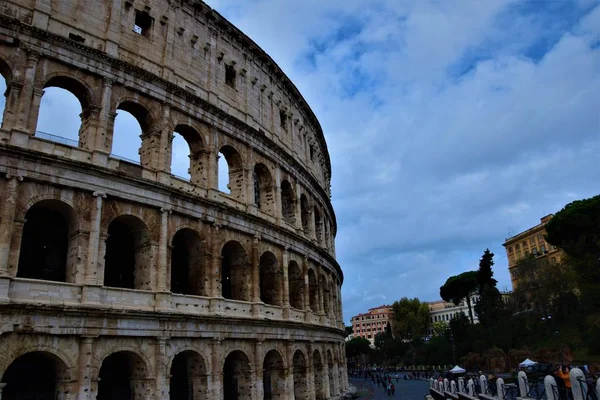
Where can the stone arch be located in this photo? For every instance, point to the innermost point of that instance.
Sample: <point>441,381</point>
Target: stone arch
<point>313,290</point>
<point>123,375</point>
<point>319,375</point>
<point>49,242</point>
<point>288,202</point>
<point>318,225</point>
<point>196,153</point>
<point>6,72</point>
<point>273,376</point>
<point>188,272</point>
<point>235,174</point>
<point>238,379</point>
<point>129,254</point>
<point>263,188</point>
<point>36,373</point>
<point>296,285</point>
<point>189,376</point>
<point>300,371</point>
<point>305,213</point>
<point>235,272</point>
<point>270,280</point>
<point>145,119</point>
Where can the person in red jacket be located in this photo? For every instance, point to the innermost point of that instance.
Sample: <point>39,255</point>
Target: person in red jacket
<point>563,373</point>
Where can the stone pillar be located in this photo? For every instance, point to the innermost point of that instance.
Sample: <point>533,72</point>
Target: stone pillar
<point>320,291</point>
<point>91,270</point>
<point>12,101</point>
<point>214,274</point>
<point>277,188</point>
<point>27,91</point>
<point>213,159</point>
<point>286,283</point>
<point>326,384</point>
<point>162,386</point>
<point>306,287</point>
<point>313,227</point>
<point>289,371</point>
<point>299,226</point>
<point>255,269</point>
<point>7,217</point>
<point>258,369</point>
<point>100,262</point>
<point>36,100</point>
<point>86,348</point>
<point>311,373</point>
<point>98,139</point>
<point>113,33</point>
<point>216,370</point>
<point>161,265</point>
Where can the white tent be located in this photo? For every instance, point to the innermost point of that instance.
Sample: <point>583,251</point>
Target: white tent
<point>457,370</point>
<point>527,363</point>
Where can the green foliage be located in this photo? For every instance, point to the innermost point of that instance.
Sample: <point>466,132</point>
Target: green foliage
<point>411,318</point>
<point>348,330</point>
<point>460,287</point>
<point>576,228</point>
<point>485,275</point>
<point>440,328</point>
<point>357,346</point>
<point>490,301</point>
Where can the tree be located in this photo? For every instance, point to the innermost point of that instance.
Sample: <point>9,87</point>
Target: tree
<point>460,287</point>
<point>485,275</point>
<point>357,346</point>
<point>411,318</point>
<point>440,328</point>
<point>490,299</point>
<point>348,330</point>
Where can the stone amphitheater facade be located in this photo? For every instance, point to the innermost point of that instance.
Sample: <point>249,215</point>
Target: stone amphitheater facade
<point>122,281</point>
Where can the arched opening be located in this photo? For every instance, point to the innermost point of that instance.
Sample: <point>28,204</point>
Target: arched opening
<point>318,225</point>
<point>270,280</point>
<point>313,291</point>
<point>296,285</point>
<point>301,391</point>
<point>63,97</point>
<point>132,121</point>
<point>319,371</point>
<point>231,172</point>
<point>187,269</point>
<point>36,375</point>
<point>273,376</point>
<point>235,272</point>
<point>189,378</point>
<point>6,75</point>
<point>263,188</point>
<point>187,160</point>
<point>129,254</point>
<point>325,294</point>
<point>288,202</point>
<point>122,377</point>
<point>305,214</point>
<point>237,377</point>
<point>331,372</point>
<point>48,242</point>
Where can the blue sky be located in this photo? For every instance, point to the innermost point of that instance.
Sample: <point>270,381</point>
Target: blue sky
<point>450,124</point>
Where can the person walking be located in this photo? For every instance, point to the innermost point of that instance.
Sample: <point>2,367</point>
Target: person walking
<point>389,389</point>
<point>393,389</point>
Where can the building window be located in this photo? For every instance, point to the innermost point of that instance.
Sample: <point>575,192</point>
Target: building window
<point>543,248</point>
<point>526,252</point>
<point>518,247</point>
<point>143,23</point>
<point>534,251</point>
<point>524,243</point>
<point>540,238</point>
<point>230,76</point>
<point>510,250</point>
<point>283,119</point>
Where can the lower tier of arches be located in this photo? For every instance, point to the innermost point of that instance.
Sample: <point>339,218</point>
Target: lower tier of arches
<point>44,366</point>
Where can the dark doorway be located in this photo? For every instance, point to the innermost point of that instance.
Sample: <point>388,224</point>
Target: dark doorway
<point>31,377</point>
<point>120,256</point>
<point>237,379</point>
<point>116,374</point>
<point>187,269</point>
<point>45,243</point>
<point>180,384</point>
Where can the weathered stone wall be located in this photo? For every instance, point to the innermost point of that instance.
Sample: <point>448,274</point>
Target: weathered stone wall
<point>103,261</point>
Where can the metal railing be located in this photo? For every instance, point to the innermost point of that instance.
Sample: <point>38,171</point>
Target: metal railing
<point>121,158</point>
<point>57,139</point>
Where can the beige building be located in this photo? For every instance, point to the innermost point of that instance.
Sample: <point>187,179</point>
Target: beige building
<point>530,242</point>
<point>369,324</point>
<point>443,311</point>
<point>119,280</point>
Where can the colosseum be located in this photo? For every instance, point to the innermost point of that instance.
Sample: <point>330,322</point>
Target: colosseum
<point>121,280</point>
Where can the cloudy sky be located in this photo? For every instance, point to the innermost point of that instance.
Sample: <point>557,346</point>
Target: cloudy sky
<point>451,125</point>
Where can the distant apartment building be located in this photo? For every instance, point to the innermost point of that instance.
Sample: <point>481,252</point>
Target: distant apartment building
<point>442,311</point>
<point>530,242</point>
<point>369,324</point>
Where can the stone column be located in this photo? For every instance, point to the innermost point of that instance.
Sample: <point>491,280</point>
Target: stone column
<point>86,348</point>
<point>7,217</point>
<point>27,91</point>
<point>36,100</point>
<point>97,142</point>
<point>216,370</point>
<point>289,371</point>
<point>311,372</point>
<point>313,227</point>
<point>325,378</point>
<point>277,193</point>
<point>320,291</point>
<point>256,269</point>
<point>91,270</point>
<point>12,101</point>
<point>258,369</point>
<point>161,270</point>
<point>286,284</point>
<point>214,274</point>
<point>299,226</point>
<point>162,386</point>
<point>306,286</point>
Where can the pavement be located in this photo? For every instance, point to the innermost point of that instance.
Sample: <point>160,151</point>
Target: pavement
<point>413,389</point>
